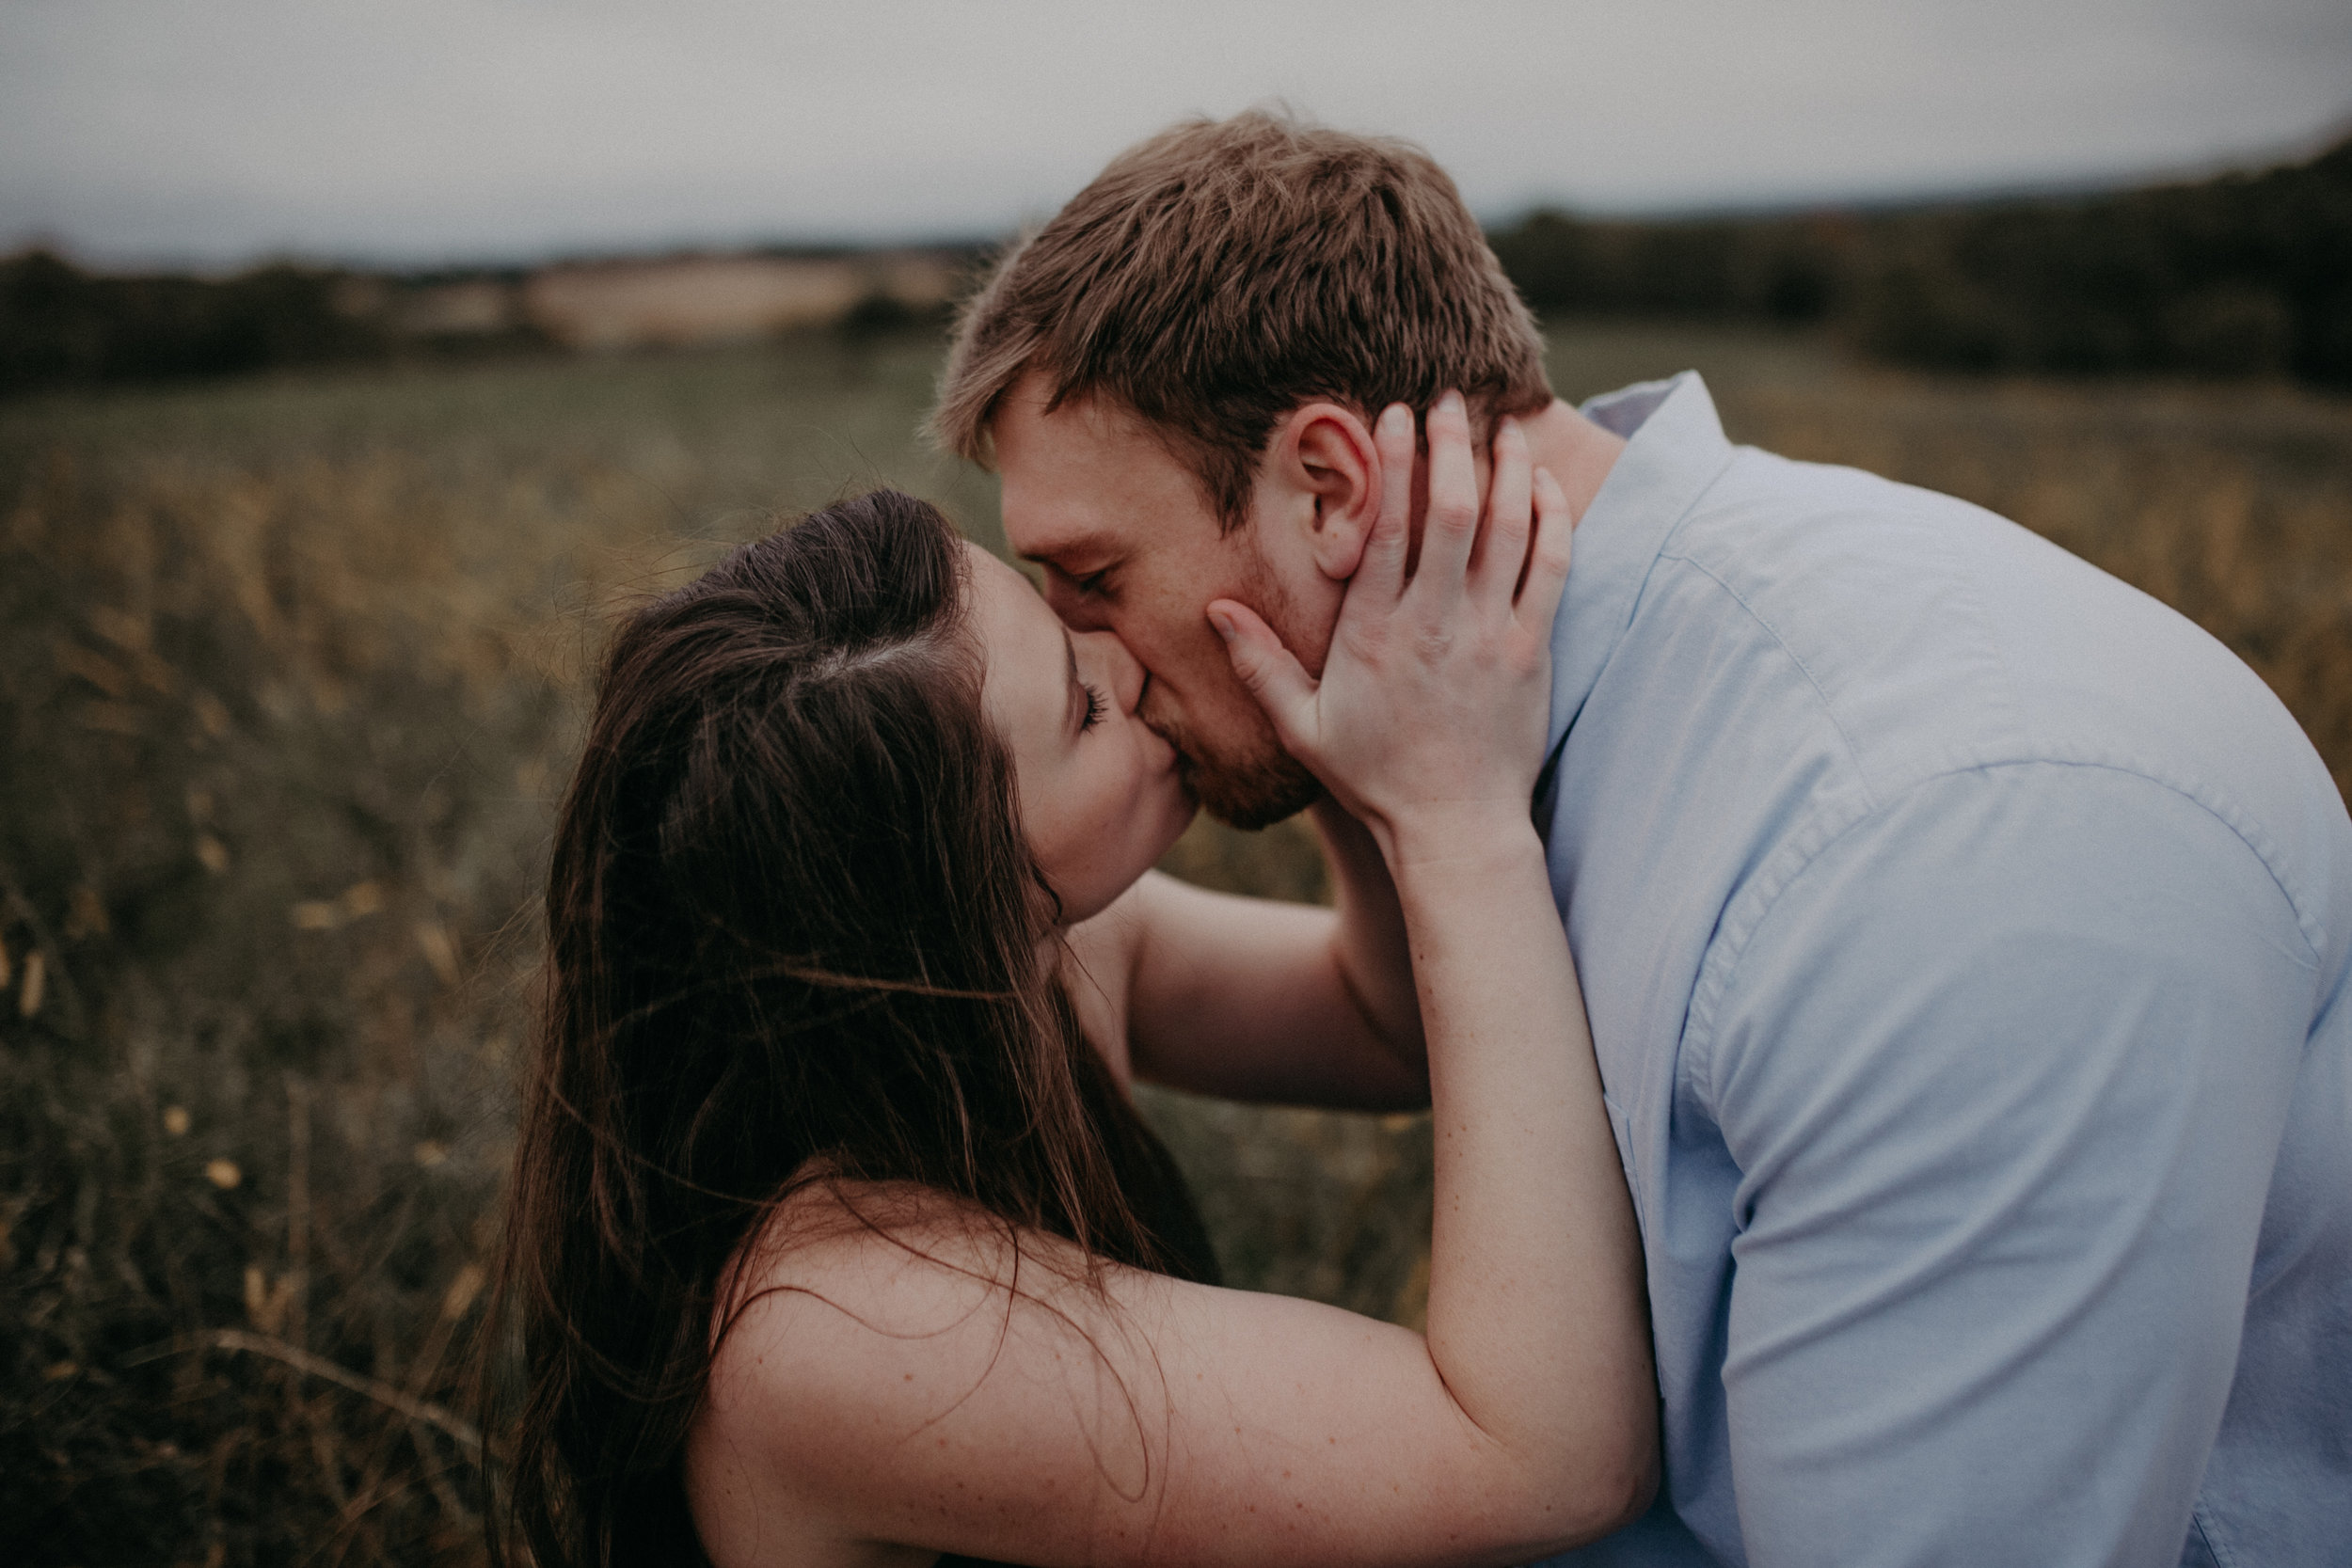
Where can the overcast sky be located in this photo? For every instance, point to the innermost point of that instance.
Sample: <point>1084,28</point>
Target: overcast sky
<point>432,130</point>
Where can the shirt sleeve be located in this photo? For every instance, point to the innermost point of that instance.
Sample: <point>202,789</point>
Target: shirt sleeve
<point>2004,1067</point>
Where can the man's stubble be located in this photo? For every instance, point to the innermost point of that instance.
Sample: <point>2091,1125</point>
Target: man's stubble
<point>1249,787</point>
<point>1247,779</point>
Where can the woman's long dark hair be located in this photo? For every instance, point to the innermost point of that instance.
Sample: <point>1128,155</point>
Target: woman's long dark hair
<point>794,933</point>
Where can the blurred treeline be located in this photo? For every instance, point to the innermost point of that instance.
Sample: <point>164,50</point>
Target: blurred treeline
<point>2246,275</point>
<point>62,326</point>
<point>2243,274</point>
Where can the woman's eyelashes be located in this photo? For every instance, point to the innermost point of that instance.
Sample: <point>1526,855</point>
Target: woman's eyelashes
<point>1095,708</point>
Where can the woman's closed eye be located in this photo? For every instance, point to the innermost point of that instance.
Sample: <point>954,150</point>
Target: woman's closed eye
<point>1096,707</point>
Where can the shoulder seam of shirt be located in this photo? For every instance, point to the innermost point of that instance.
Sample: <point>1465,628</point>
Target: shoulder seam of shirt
<point>1698,1044</point>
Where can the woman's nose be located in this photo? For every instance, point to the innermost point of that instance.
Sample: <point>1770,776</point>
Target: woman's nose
<point>1104,661</point>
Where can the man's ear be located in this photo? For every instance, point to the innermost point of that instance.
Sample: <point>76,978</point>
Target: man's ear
<point>1324,460</point>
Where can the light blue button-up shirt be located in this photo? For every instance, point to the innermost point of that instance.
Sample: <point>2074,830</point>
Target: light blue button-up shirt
<point>1964,935</point>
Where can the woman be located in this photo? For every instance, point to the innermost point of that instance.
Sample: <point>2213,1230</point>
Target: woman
<point>835,1239</point>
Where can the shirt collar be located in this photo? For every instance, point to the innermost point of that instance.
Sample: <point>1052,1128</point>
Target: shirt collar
<point>1675,449</point>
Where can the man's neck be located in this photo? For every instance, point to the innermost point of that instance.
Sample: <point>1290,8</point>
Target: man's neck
<point>1579,452</point>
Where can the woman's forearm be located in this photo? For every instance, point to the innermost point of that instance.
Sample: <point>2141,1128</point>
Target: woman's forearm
<point>1534,1317</point>
<point>1370,945</point>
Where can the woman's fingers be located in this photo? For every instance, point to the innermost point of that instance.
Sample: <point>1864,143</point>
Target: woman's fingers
<point>1546,557</point>
<point>1451,526</point>
<point>1270,672</point>
<point>1497,564</point>
<point>1382,568</point>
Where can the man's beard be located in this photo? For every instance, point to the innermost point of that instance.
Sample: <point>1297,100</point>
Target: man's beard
<point>1253,783</point>
<point>1253,786</point>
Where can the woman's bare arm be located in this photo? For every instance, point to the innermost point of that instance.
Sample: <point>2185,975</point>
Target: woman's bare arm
<point>1428,726</point>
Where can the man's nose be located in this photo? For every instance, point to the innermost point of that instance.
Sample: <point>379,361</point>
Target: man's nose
<point>1107,661</point>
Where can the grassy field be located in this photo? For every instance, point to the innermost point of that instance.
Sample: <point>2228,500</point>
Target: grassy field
<point>290,675</point>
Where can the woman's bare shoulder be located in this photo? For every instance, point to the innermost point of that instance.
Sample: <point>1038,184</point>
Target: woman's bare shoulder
<point>856,1317</point>
<point>873,1255</point>
<point>902,1372</point>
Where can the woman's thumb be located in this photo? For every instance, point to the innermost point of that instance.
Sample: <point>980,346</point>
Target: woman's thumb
<point>1273,676</point>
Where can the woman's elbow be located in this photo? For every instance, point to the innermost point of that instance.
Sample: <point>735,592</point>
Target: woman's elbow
<point>1606,1487</point>
<point>1626,1494</point>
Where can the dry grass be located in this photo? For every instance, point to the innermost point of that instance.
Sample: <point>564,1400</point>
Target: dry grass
<point>289,675</point>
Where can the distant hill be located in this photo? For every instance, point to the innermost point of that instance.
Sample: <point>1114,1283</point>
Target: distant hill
<point>2243,274</point>
<point>63,327</point>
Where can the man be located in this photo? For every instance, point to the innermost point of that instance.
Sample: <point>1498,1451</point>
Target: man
<point>1964,933</point>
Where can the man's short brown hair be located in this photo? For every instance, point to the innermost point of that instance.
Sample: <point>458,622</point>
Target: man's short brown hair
<point>1222,273</point>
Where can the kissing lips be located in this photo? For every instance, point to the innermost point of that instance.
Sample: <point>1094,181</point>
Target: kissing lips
<point>1179,760</point>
